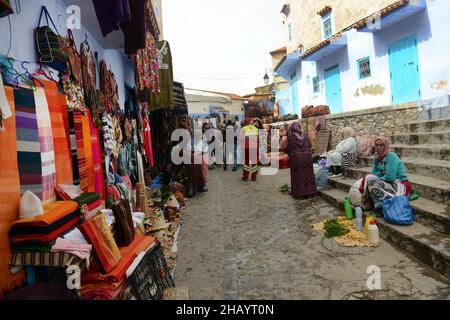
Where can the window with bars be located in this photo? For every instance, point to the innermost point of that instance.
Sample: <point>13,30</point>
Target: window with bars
<point>316,84</point>
<point>364,68</point>
<point>327,28</point>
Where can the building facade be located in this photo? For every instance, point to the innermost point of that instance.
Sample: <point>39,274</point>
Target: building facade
<point>378,53</point>
<point>281,87</point>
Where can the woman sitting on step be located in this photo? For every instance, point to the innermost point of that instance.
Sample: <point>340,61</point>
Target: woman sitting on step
<point>344,155</point>
<point>389,177</point>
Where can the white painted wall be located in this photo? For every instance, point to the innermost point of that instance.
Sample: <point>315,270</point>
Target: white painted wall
<point>23,45</point>
<point>202,108</point>
<point>431,27</point>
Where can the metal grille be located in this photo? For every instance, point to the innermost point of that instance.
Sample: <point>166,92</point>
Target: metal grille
<point>316,85</point>
<point>364,68</point>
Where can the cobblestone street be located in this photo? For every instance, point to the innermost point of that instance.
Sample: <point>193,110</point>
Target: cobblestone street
<point>248,241</point>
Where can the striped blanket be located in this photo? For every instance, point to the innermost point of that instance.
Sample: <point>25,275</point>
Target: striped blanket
<point>28,146</point>
<point>99,179</point>
<point>73,148</point>
<point>9,195</point>
<point>58,106</point>
<point>47,148</point>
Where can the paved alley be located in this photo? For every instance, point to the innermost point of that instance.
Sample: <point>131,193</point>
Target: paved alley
<point>248,241</point>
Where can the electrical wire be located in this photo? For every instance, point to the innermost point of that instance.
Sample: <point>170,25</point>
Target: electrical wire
<point>218,79</point>
<point>18,6</point>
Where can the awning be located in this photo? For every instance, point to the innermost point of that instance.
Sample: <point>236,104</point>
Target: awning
<point>287,66</point>
<point>391,15</point>
<point>326,47</point>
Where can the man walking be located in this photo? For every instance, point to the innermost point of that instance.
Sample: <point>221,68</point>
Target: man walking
<point>251,153</point>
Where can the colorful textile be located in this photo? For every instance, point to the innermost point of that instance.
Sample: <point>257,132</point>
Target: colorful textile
<point>57,105</point>
<point>53,212</point>
<point>140,244</point>
<point>47,148</point>
<point>47,238</point>
<point>375,190</point>
<point>29,230</point>
<point>109,88</point>
<point>98,233</point>
<point>43,259</point>
<point>68,192</point>
<point>88,150</point>
<point>81,151</point>
<point>97,165</point>
<point>165,98</point>
<point>9,195</point>
<point>93,209</point>
<point>30,248</point>
<point>28,146</point>
<point>82,251</point>
<point>147,73</point>
<point>303,181</point>
<point>73,148</point>
<point>87,198</point>
<point>89,72</point>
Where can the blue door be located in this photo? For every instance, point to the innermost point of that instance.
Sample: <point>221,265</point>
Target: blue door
<point>404,67</point>
<point>294,93</point>
<point>333,89</point>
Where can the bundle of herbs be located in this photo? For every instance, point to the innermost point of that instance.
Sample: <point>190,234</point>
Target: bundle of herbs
<point>334,229</point>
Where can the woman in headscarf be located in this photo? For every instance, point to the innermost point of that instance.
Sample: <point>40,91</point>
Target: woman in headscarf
<point>389,177</point>
<point>303,181</point>
<point>344,152</point>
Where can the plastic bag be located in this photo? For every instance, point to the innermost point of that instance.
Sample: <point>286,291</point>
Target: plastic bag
<point>354,195</point>
<point>322,178</point>
<point>397,211</point>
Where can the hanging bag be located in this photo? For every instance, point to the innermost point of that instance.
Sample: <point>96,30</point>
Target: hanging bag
<point>70,49</point>
<point>396,210</point>
<point>48,44</point>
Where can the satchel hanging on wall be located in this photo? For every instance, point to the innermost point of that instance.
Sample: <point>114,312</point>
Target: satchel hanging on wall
<point>49,44</point>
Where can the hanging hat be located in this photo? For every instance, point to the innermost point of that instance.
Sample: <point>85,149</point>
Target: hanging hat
<point>30,206</point>
<point>172,202</point>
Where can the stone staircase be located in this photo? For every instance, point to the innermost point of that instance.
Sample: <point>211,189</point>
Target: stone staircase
<point>425,150</point>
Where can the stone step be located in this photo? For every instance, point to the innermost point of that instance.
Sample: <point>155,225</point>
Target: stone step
<point>435,137</point>
<point>429,188</point>
<point>423,151</point>
<point>418,240</point>
<point>429,213</point>
<point>429,126</point>
<point>435,113</point>
<point>438,169</point>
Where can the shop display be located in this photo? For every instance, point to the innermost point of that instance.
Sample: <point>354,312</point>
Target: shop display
<point>84,164</point>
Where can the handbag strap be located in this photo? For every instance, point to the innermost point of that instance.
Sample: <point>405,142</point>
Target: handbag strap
<point>48,18</point>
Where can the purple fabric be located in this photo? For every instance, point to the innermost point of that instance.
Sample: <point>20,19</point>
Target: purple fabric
<point>303,181</point>
<point>134,30</point>
<point>111,14</point>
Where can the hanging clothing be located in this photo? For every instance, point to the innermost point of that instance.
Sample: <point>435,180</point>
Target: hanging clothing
<point>303,182</point>
<point>5,8</point>
<point>109,88</point>
<point>111,13</point>
<point>147,75</point>
<point>165,98</point>
<point>9,194</point>
<point>148,142</point>
<point>134,29</point>
<point>73,148</point>
<point>89,76</point>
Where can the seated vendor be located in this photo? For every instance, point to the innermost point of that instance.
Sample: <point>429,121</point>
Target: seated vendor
<point>344,155</point>
<point>389,177</point>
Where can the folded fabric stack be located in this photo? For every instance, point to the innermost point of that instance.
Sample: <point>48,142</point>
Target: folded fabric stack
<point>38,233</point>
<point>90,204</point>
<point>97,285</point>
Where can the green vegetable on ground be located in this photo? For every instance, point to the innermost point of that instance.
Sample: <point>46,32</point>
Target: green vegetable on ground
<point>334,229</point>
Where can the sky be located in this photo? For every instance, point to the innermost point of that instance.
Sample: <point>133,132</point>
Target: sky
<point>213,42</point>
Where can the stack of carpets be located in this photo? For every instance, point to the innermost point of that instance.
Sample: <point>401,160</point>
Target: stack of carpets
<point>90,204</point>
<point>40,232</point>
